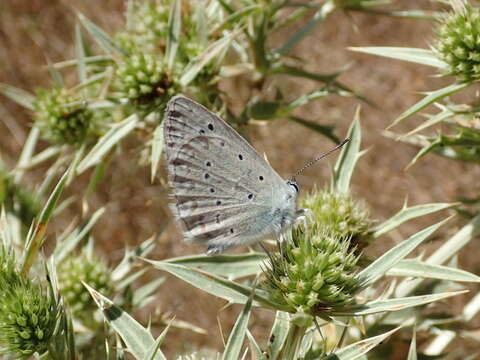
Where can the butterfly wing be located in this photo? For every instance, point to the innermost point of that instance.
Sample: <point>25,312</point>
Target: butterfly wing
<point>223,190</point>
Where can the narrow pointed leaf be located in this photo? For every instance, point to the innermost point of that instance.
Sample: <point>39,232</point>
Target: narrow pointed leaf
<point>278,336</point>
<point>433,120</point>
<point>384,263</point>
<point>27,152</point>
<point>80,54</point>
<point>174,29</point>
<point>325,130</point>
<point>229,266</point>
<point>157,147</point>
<point>419,56</point>
<point>155,348</point>
<point>360,348</point>
<point>417,268</point>
<point>217,286</point>
<point>317,18</point>
<point>35,241</point>
<point>408,213</point>
<point>21,97</point>
<point>350,153</point>
<point>138,339</point>
<point>397,304</point>
<point>101,37</point>
<point>412,351</point>
<point>107,142</point>
<point>237,335</point>
<point>429,99</point>
<point>70,243</point>
<point>255,349</point>
<point>444,253</point>
<point>211,53</point>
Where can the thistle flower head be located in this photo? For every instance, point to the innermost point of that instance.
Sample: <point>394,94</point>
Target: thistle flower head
<point>62,118</point>
<point>458,44</point>
<point>147,27</point>
<point>142,79</point>
<point>314,273</point>
<point>28,313</point>
<point>339,214</point>
<point>71,273</point>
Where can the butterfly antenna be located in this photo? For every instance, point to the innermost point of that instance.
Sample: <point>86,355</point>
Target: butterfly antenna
<point>313,161</point>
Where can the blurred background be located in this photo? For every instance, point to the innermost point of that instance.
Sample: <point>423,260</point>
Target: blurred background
<point>33,32</point>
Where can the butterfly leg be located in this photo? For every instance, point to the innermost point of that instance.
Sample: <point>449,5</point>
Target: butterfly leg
<point>302,217</point>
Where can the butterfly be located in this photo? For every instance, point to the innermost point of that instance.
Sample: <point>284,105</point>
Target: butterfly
<point>224,193</point>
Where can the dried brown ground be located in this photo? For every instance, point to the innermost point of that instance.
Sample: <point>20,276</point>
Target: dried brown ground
<point>32,30</point>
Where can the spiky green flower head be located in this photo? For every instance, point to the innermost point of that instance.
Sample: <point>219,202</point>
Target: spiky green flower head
<point>339,214</point>
<point>147,26</point>
<point>93,271</point>
<point>28,318</point>
<point>313,273</point>
<point>142,79</point>
<point>63,118</point>
<point>458,43</point>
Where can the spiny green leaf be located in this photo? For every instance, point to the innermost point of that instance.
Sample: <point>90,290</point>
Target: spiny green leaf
<point>384,263</point>
<point>21,97</point>
<point>350,153</point>
<point>420,269</point>
<point>408,213</point>
<point>318,17</point>
<point>419,56</point>
<point>398,304</point>
<point>429,99</point>
<point>325,130</point>
<point>107,142</point>
<point>174,30</point>
<point>229,266</point>
<point>139,340</point>
<point>237,336</point>
<point>360,348</point>
<point>101,37</point>
<point>157,147</point>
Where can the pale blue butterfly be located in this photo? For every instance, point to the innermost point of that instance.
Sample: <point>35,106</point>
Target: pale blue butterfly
<point>224,193</point>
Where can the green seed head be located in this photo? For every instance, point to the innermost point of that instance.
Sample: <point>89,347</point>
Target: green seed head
<point>315,272</point>
<point>63,118</point>
<point>458,44</point>
<point>94,272</point>
<point>340,215</point>
<point>141,78</point>
<point>28,317</point>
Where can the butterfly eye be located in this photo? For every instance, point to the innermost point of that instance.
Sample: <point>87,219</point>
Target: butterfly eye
<point>293,184</point>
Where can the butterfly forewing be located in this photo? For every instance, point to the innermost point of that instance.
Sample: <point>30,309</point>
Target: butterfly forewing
<point>214,173</point>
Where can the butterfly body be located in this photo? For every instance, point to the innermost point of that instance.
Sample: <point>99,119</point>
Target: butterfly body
<point>224,193</point>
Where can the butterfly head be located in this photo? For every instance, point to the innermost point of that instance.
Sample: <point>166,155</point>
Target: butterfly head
<point>293,185</point>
